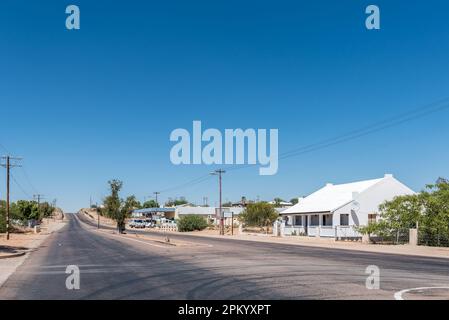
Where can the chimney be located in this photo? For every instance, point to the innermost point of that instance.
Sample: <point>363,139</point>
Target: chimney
<point>329,184</point>
<point>388,175</point>
<point>300,199</point>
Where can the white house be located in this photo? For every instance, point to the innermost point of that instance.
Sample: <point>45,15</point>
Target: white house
<point>334,210</point>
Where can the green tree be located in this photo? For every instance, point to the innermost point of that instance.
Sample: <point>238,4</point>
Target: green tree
<point>2,216</point>
<point>191,223</point>
<point>150,204</point>
<point>434,225</point>
<point>46,210</point>
<point>132,202</point>
<point>25,210</point>
<point>176,202</point>
<point>113,204</point>
<point>277,202</point>
<point>294,201</point>
<point>260,214</point>
<point>428,211</point>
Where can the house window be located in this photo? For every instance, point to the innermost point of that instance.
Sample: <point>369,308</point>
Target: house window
<point>298,221</point>
<point>314,220</point>
<point>327,220</point>
<point>344,219</point>
<point>372,218</point>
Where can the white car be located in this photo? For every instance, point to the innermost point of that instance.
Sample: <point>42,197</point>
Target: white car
<point>150,224</point>
<point>137,223</point>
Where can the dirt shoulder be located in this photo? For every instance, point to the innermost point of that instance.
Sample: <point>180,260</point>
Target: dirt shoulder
<point>14,251</point>
<point>19,242</point>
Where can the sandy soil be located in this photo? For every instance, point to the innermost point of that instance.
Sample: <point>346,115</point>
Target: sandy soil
<point>19,242</point>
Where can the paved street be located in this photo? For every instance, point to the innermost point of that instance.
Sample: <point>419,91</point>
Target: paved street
<point>116,267</point>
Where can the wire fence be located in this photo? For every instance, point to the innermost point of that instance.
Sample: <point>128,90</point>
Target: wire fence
<point>399,236</point>
<point>433,239</point>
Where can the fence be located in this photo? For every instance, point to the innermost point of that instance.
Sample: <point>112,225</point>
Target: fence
<point>433,239</point>
<point>399,236</point>
<point>340,232</point>
<point>167,227</point>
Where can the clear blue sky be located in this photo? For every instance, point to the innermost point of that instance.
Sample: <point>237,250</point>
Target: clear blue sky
<point>86,106</point>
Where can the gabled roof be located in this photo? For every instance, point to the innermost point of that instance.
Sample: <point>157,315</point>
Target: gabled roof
<point>331,197</point>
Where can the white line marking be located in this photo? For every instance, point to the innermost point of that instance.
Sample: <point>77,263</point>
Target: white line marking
<point>398,295</point>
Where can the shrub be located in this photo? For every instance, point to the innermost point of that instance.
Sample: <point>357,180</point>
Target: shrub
<point>191,223</point>
<point>261,214</point>
<point>2,217</point>
<point>2,223</point>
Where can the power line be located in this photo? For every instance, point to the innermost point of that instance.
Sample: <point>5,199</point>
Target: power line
<point>393,121</point>
<point>20,187</point>
<point>375,127</point>
<point>27,178</point>
<point>25,173</point>
<point>192,182</point>
<point>5,149</point>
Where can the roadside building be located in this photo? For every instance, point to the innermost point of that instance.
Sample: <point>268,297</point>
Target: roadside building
<point>211,214</point>
<point>281,204</point>
<point>334,210</point>
<point>153,213</point>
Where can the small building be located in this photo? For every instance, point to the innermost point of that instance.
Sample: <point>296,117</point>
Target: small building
<point>281,204</point>
<point>334,210</point>
<point>152,213</point>
<point>211,214</point>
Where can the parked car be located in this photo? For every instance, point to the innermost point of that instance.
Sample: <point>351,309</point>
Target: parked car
<point>137,223</point>
<point>150,224</point>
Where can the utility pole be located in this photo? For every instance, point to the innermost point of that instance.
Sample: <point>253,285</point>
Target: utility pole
<point>38,197</point>
<point>8,166</point>
<point>218,173</point>
<point>156,193</point>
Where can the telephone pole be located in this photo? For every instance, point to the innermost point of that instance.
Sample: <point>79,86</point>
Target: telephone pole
<point>156,193</point>
<point>218,173</point>
<point>38,197</point>
<point>8,166</point>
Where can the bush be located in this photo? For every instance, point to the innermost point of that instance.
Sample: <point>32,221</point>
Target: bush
<point>2,217</point>
<point>260,214</point>
<point>2,223</point>
<point>191,223</point>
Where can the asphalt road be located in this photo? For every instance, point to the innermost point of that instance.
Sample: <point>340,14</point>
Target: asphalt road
<point>115,267</point>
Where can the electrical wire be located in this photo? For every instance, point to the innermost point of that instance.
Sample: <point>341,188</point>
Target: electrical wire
<point>20,187</point>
